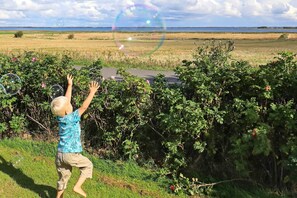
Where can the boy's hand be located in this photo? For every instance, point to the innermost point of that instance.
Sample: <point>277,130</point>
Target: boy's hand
<point>70,79</point>
<point>94,86</point>
<point>68,93</point>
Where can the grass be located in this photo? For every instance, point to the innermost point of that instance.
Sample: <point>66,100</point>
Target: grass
<point>27,170</point>
<point>257,48</point>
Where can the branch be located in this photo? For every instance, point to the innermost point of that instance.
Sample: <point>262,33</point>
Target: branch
<point>156,130</point>
<point>220,182</point>
<point>48,130</point>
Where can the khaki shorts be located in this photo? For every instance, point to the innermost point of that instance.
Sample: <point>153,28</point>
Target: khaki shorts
<point>64,164</point>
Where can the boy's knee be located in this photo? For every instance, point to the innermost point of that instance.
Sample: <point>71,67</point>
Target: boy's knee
<point>91,165</point>
<point>61,186</point>
<point>87,170</point>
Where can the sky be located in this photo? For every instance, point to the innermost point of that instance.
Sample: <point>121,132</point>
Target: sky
<point>175,13</point>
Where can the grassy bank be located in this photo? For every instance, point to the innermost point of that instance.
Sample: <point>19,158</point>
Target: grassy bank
<point>27,170</point>
<point>85,47</point>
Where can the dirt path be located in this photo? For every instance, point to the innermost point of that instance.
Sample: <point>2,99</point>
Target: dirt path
<point>147,74</point>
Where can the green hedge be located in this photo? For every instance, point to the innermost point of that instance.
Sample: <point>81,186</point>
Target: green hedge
<point>225,118</point>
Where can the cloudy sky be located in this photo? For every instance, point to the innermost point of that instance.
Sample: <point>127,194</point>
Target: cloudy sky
<point>176,13</point>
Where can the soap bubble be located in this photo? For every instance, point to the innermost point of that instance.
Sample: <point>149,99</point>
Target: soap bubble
<point>56,91</point>
<point>17,160</point>
<point>11,83</point>
<point>2,90</point>
<point>60,22</point>
<point>139,30</point>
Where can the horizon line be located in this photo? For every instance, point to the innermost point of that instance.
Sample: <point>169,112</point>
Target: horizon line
<point>150,27</point>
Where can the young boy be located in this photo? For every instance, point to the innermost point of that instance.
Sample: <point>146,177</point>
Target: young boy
<point>69,147</point>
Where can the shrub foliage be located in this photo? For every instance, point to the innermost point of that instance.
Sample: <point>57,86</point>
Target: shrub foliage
<point>18,34</point>
<point>70,36</point>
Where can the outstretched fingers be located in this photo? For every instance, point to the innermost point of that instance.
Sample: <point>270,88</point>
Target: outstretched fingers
<point>94,86</point>
<point>69,79</point>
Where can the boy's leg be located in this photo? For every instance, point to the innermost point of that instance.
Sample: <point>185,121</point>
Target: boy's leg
<point>64,172</point>
<point>86,170</point>
<point>60,193</point>
<point>77,187</point>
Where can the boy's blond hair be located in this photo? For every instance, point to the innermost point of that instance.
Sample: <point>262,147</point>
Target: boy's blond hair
<point>58,105</point>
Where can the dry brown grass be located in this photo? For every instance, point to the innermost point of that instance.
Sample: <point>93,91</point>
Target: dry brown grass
<point>257,48</point>
<point>231,36</point>
<point>124,185</point>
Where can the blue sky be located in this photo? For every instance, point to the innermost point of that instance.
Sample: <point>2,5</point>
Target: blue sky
<point>178,13</point>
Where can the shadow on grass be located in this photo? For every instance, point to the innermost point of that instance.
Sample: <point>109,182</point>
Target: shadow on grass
<point>24,181</point>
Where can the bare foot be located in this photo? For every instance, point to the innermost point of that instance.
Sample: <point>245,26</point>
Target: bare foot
<point>80,191</point>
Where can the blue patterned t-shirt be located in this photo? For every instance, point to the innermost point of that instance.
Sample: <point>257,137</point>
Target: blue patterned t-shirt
<point>69,132</point>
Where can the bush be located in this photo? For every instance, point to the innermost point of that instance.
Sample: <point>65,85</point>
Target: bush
<point>18,34</point>
<point>71,36</point>
<point>32,101</point>
<point>250,114</point>
<point>283,37</point>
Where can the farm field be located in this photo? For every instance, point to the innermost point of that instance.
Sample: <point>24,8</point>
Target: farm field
<point>85,47</point>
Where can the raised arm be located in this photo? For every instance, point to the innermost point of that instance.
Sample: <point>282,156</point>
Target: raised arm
<point>68,93</point>
<point>93,89</point>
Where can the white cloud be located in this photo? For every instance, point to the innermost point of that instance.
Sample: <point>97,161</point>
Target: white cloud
<point>26,5</point>
<point>49,13</point>
<point>232,8</point>
<point>105,11</point>
<point>4,14</point>
<point>291,14</point>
